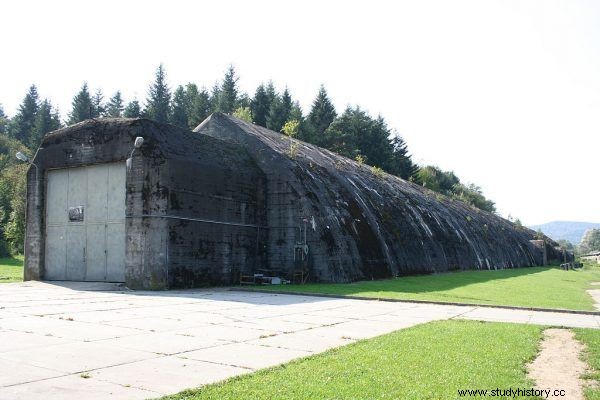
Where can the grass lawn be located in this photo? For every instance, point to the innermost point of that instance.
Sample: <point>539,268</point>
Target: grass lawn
<point>11,269</point>
<point>591,338</point>
<point>430,361</point>
<point>548,287</point>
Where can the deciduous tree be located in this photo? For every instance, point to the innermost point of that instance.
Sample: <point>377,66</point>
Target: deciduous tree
<point>243,113</point>
<point>590,241</point>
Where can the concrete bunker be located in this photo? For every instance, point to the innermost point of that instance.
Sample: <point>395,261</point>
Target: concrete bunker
<point>187,213</point>
<point>206,207</point>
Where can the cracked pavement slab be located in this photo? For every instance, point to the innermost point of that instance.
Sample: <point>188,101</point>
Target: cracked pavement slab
<point>78,340</point>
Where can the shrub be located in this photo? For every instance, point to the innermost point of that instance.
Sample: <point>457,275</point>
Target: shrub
<point>377,172</point>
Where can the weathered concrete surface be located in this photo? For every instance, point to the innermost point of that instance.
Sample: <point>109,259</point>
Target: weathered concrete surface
<point>360,225</point>
<point>204,208</point>
<point>194,204</point>
<point>62,342</point>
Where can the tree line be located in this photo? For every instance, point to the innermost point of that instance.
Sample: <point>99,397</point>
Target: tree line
<point>590,242</point>
<point>354,133</point>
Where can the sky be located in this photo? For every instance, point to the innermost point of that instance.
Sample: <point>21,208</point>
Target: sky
<point>504,93</point>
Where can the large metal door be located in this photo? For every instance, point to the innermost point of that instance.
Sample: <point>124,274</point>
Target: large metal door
<point>85,223</point>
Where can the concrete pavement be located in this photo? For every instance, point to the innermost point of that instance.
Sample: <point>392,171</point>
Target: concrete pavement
<point>98,341</point>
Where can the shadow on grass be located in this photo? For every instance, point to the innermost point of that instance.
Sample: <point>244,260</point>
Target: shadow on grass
<point>425,283</point>
<point>11,269</point>
<point>544,287</point>
<point>11,261</point>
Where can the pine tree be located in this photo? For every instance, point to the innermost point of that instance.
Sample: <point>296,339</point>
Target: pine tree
<point>82,106</point>
<point>191,96</point>
<point>321,114</point>
<point>260,106</point>
<point>201,109</point>
<point>115,107</point>
<point>243,101</point>
<point>179,115</point>
<point>342,134</point>
<point>296,112</point>
<point>279,112</point>
<point>401,163</point>
<point>271,92</point>
<point>98,107</point>
<point>46,120</point>
<point>228,94</point>
<point>437,180</point>
<point>215,95</point>
<point>273,120</point>
<point>375,142</point>
<point>356,133</point>
<point>21,126</point>
<point>133,110</point>
<point>3,120</point>
<point>304,129</point>
<point>159,98</point>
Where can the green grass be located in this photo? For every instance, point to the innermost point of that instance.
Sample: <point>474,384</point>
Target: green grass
<point>591,338</point>
<point>11,269</point>
<point>430,361</point>
<point>546,287</point>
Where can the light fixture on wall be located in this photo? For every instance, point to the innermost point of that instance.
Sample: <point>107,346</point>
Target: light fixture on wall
<point>139,141</point>
<point>22,157</point>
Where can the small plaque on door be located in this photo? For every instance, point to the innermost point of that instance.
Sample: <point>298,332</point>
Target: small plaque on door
<point>76,214</point>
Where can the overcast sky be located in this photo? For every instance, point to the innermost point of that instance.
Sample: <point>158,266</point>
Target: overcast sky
<point>505,93</point>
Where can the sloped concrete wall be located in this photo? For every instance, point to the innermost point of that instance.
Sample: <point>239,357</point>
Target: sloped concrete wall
<point>365,226</point>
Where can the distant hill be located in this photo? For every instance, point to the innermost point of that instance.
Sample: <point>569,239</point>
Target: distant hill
<point>570,230</point>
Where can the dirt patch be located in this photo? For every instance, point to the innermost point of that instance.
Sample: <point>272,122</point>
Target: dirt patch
<point>558,366</point>
<point>595,293</point>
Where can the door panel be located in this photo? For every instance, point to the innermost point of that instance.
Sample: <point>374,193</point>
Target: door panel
<point>56,253</point>
<point>75,252</point>
<point>85,223</point>
<point>95,254</point>
<point>77,188</point>
<point>97,176</point>
<point>115,252</point>
<point>116,192</point>
<point>56,204</point>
